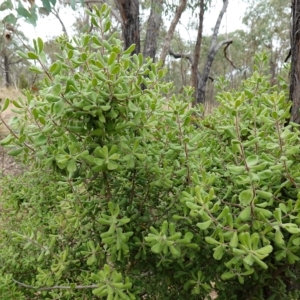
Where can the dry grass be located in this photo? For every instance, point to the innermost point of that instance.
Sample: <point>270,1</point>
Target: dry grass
<point>10,93</point>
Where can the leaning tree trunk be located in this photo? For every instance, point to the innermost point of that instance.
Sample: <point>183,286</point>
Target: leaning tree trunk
<point>166,46</point>
<point>153,26</point>
<point>129,11</point>
<point>211,56</point>
<point>295,65</point>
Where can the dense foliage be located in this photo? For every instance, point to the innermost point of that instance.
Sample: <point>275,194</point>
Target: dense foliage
<point>130,195</point>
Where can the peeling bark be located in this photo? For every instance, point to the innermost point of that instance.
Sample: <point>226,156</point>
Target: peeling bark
<point>153,26</point>
<point>129,11</point>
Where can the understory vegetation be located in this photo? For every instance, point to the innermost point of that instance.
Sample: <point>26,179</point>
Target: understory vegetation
<point>131,194</point>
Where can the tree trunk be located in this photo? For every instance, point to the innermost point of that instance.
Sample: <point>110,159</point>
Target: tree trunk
<point>154,23</point>
<point>129,11</point>
<point>211,56</point>
<point>197,48</point>
<point>6,70</point>
<point>295,65</point>
<point>166,46</point>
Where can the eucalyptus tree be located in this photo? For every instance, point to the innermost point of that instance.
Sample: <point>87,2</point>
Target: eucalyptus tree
<point>268,27</point>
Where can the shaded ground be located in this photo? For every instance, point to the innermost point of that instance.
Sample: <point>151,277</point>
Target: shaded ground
<point>8,165</point>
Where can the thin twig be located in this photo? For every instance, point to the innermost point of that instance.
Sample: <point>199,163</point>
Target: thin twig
<point>56,287</point>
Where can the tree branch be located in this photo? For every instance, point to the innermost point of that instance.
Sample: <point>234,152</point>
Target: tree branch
<point>56,14</point>
<point>225,54</point>
<point>171,30</point>
<point>181,55</point>
<point>16,62</point>
<point>214,47</point>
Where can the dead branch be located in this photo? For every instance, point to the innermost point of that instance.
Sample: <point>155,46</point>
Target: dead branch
<point>225,55</point>
<point>181,55</point>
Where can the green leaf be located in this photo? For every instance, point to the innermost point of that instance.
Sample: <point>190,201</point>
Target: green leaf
<point>234,240</point>
<point>236,170</point>
<point>252,160</point>
<point>111,165</point>
<point>15,152</point>
<point>55,68</point>
<point>107,26</point>
<point>73,4</point>
<point>52,98</point>
<point>245,197</point>
<point>58,107</point>
<point>249,259</point>
<point>23,12</point>
<point>132,107</point>
<point>112,58</point>
<point>245,214</point>
<point>71,167</point>
<point>22,54</point>
<point>204,225</point>
<point>36,69</point>
<point>291,228</point>
<point>211,241</point>
<point>218,252</point>
<point>56,90</point>
<point>40,140</point>
<point>6,5</point>
<point>157,248</point>
<point>47,5</point>
<point>10,19</point>
<point>5,105</point>
<point>7,140</point>
<point>32,55</point>
<point>227,275</point>
<point>129,49</point>
<point>40,45</point>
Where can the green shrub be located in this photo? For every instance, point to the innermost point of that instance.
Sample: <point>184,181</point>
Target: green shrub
<point>127,200</point>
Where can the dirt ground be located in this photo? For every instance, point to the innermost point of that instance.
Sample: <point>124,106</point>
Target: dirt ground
<point>8,165</point>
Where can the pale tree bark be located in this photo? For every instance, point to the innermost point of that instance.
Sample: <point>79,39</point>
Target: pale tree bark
<point>197,48</point>
<point>153,26</point>
<point>295,64</point>
<point>214,47</point>
<point>129,12</point>
<point>166,47</point>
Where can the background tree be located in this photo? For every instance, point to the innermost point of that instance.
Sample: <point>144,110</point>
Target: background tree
<point>12,66</point>
<point>295,64</point>
<point>268,30</point>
